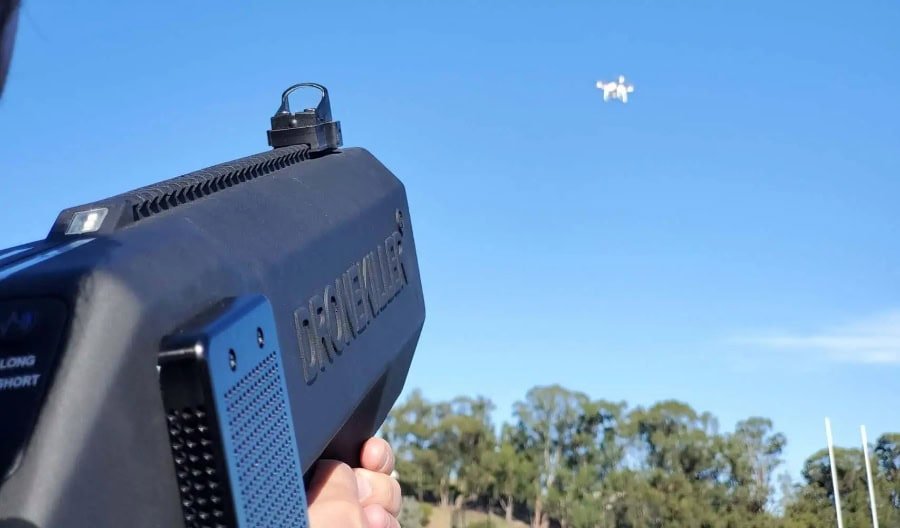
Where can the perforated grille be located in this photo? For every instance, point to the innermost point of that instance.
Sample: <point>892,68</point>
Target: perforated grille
<point>270,484</point>
<point>195,467</point>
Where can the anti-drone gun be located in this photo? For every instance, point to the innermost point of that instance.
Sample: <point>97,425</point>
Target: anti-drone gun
<point>181,355</point>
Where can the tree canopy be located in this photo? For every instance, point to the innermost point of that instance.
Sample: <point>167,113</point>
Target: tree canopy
<point>571,461</point>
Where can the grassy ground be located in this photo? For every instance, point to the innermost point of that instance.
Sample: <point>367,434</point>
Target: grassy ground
<point>440,518</point>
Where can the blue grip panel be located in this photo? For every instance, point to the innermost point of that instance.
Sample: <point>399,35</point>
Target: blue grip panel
<point>271,490</point>
<point>255,420</point>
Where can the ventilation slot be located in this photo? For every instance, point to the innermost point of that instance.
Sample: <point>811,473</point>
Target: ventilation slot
<point>154,199</point>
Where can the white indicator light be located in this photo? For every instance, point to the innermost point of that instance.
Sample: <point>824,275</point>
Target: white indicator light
<point>87,221</point>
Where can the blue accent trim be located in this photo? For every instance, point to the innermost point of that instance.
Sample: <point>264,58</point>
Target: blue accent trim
<point>41,257</point>
<point>13,251</point>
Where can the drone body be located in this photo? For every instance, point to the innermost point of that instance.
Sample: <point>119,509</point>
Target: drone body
<point>616,90</point>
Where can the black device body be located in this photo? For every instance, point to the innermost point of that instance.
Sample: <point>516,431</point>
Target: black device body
<point>98,321</point>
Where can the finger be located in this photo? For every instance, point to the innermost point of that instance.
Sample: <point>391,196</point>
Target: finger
<point>380,489</point>
<point>333,497</point>
<point>378,517</point>
<point>377,455</point>
<point>333,480</point>
<point>330,514</point>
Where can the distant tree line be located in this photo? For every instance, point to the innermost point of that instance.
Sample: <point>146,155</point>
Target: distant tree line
<point>570,461</point>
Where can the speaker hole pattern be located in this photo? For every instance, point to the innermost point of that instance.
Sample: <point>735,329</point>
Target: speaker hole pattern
<point>270,482</point>
<point>195,468</point>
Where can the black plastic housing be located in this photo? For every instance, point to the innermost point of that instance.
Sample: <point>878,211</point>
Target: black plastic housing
<point>307,234</point>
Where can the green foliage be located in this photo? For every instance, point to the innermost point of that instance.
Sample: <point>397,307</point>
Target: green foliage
<point>411,514</point>
<point>485,523</point>
<point>887,453</point>
<point>427,510</point>
<point>570,461</point>
<point>753,454</point>
<point>814,501</point>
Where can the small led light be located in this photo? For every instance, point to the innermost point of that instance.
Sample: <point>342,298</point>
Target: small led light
<point>87,221</point>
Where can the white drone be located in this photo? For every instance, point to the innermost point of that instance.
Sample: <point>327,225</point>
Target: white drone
<point>616,89</point>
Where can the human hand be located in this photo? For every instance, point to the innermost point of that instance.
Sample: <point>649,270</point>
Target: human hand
<point>366,497</point>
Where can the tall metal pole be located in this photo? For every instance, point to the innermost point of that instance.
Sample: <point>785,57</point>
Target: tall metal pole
<point>865,443</point>
<point>834,478</point>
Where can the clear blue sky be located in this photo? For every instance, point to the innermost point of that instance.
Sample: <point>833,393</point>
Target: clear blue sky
<point>728,238</point>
